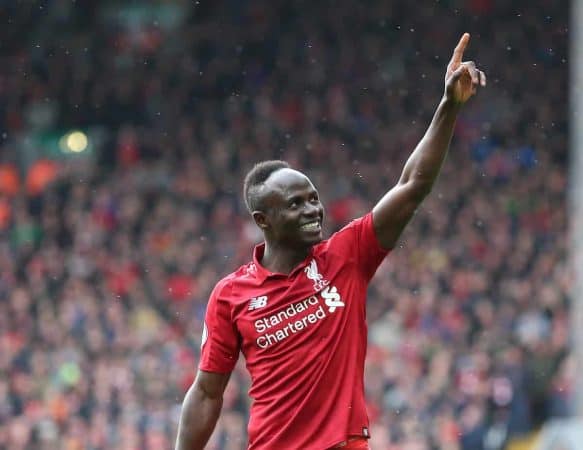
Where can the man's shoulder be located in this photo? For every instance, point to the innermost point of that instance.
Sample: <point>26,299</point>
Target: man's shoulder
<point>346,235</point>
<point>237,280</point>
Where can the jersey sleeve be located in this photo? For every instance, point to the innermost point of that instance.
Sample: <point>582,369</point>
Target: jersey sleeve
<point>359,238</point>
<point>220,339</point>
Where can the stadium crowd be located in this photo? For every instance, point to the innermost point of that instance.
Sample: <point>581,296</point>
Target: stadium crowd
<point>107,261</point>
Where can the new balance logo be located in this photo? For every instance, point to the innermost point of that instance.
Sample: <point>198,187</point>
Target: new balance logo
<point>257,302</point>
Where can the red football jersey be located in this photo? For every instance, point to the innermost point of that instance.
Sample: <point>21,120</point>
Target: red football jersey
<point>304,338</point>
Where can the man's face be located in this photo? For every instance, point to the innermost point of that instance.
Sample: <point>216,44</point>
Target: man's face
<point>293,213</point>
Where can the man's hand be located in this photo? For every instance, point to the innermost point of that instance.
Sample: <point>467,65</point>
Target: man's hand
<point>462,78</point>
<point>392,213</point>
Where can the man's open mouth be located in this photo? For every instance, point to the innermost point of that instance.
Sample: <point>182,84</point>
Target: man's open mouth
<point>311,226</point>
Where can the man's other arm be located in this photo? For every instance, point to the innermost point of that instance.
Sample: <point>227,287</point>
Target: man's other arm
<point>200,410</point>
<point>392,213</point>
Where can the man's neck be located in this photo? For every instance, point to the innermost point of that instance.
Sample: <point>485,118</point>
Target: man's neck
<point>282,259</point>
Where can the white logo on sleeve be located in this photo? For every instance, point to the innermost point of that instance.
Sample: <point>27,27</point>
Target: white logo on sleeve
<point>332,298</point>
<point>313,274</point>
<point>257,302</point>
<point>205,335</point>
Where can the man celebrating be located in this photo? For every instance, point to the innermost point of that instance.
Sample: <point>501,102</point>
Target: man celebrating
<point>297,311</point>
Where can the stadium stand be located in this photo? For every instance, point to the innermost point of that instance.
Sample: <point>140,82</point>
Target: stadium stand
<point>110,247</point>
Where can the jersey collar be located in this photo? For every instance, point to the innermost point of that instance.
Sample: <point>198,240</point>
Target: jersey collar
<point>262,273</point>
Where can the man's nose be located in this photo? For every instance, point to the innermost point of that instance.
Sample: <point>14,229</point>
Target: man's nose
<point>311,209</point>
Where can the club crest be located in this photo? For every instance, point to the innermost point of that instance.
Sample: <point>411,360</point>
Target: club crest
<point>313,274</point>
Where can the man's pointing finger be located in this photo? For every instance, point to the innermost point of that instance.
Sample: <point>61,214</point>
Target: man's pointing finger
<point>458,52</point>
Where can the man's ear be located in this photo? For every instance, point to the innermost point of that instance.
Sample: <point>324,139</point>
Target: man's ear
<point>260,219</point>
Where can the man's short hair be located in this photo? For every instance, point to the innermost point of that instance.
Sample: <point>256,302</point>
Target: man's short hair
<point>256,177</point>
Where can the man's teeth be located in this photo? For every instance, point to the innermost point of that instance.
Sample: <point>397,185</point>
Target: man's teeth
<point>310,226</point>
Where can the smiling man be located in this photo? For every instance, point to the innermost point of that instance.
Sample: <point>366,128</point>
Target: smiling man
<point>297,310</point>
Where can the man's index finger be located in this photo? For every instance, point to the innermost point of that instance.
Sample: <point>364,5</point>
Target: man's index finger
<point>458,52</point>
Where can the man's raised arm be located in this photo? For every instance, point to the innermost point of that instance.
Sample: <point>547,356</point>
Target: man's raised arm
<point>200,410</point>
<point>395,209</point>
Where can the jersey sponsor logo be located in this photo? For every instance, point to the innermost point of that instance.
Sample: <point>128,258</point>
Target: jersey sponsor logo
<point>313,274</point>
<point>285,314</point>
<point>257,302</point>
<point>306,313</point>
<point>332,298</point>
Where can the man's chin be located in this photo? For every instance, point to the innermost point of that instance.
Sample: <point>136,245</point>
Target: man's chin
<point>313,240</point>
